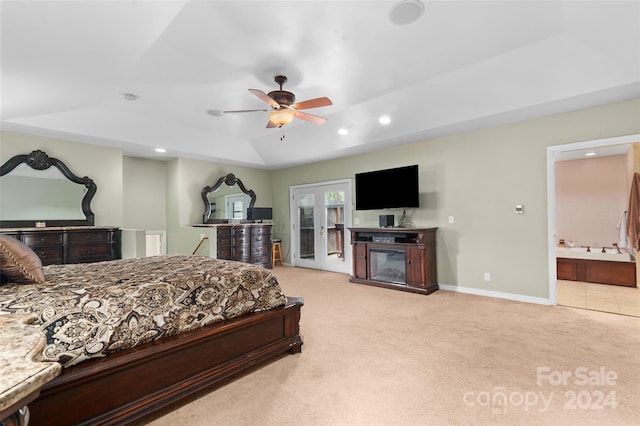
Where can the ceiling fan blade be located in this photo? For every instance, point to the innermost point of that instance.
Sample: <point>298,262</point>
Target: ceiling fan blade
<point>310,117</point>
<point>264,97</point>
<point>245,110</point>
<point>271,125</point>
<point>219,113</point>
<point>313,103</point>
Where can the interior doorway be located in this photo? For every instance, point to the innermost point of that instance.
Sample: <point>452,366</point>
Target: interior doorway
<point>320,216</point>
<point>572,291</point>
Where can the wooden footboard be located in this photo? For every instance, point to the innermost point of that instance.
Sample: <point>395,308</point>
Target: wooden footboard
<point>132,384</point>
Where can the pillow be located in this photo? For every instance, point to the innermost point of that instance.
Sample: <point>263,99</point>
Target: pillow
<point>18,262</point>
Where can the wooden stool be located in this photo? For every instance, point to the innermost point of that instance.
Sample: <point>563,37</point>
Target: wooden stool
<point>276,252</point>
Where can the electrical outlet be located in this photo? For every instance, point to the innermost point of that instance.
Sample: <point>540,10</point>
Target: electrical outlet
<point>487,276</point>
<point>356,221</point>
<point>450,219</point>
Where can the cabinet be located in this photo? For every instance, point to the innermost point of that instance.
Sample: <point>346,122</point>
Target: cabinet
<point>62,245</point>
<point>248,243</point>
<point>398,258</point>
<point>597,271</point>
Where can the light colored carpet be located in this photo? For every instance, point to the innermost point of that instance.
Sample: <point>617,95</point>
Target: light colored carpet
<point>374,356</point>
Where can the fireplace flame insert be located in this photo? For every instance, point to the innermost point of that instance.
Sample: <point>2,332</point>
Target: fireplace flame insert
<point>388,265</point>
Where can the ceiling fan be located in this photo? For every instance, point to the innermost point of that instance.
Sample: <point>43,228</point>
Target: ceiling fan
<point>283,108</point>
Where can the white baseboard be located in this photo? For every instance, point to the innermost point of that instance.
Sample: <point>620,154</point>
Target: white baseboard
<point>496,294</point>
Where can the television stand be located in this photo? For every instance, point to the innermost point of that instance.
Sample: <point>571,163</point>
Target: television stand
<point>397,258</point>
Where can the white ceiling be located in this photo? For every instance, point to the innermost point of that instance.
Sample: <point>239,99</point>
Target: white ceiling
<point>463,65</point>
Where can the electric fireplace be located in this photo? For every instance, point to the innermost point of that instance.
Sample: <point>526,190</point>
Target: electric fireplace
<point>388,265</point>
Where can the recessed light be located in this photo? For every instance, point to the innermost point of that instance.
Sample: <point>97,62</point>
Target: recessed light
<point>343,131</point>
<point>406,12</point>
<point>384,120</point>
<point>161,150</point>
<point>590,154</point>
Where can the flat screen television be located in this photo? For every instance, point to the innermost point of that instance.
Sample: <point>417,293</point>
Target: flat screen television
<point>260,213</point>
<point>388,189</point>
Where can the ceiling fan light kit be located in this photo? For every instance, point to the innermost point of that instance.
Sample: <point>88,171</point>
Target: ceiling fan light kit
<point>281,116</point>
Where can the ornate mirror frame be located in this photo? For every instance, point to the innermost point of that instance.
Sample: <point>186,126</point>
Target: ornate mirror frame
<point>39,160</point>
<point>229,180</point>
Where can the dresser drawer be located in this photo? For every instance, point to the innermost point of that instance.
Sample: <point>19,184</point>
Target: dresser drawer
<point>88,252</point>
<point>260,249</point>
<point>242,240</point>
<point>34,239</point>
<point>243,231</point>
<point>260,241</point>
<point>89,237</point>
<point>261,230</point>
<point>222,240</point>
<point>223,231</point>
<point>49,255</point>
<point>261,259</point>
<point>242,253</point>
<point>223,253</point>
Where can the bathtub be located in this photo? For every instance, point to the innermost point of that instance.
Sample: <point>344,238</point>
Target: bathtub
<point>595,254</point>
<point>594,266</point>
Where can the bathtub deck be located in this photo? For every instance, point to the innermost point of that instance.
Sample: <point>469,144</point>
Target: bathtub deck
<point>595,253</point>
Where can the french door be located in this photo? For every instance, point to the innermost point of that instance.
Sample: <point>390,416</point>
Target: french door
<point>320,215</point>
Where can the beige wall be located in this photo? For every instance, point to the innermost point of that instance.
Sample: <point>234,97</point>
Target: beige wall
<point>478,178</point>
<point>591,195</point>
<point>144,194</point>
<point>185,180</point>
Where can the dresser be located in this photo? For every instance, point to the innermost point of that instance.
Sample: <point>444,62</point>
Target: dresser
<point>70,244</point>
<point>249,243</point>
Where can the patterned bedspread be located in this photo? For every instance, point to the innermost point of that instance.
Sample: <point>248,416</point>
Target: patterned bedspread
<point>94,309</point>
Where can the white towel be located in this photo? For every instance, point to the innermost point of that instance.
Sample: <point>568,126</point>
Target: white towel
<point>622,226</point>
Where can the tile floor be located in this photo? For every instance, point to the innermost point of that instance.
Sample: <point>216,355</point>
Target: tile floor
<point>599,297</point>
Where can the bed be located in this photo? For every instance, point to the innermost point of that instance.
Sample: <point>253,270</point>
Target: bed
<point>137,335</point>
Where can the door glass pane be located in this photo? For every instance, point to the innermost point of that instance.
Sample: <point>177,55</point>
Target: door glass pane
<point>238,210</point>
<point>334,208</point>
<point>307,228</point>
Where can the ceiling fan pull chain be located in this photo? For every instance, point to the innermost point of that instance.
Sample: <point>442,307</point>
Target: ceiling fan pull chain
<point>281,133</point>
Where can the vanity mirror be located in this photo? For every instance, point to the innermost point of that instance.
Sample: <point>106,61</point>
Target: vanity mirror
<point>219,197</point>
<point>38,188</point>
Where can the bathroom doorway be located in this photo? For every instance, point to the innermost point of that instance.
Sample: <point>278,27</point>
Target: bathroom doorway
<point>565,162</point>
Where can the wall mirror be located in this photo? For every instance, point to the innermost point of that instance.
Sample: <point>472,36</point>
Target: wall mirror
<point>38,188</point>
<point>224,203</point>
